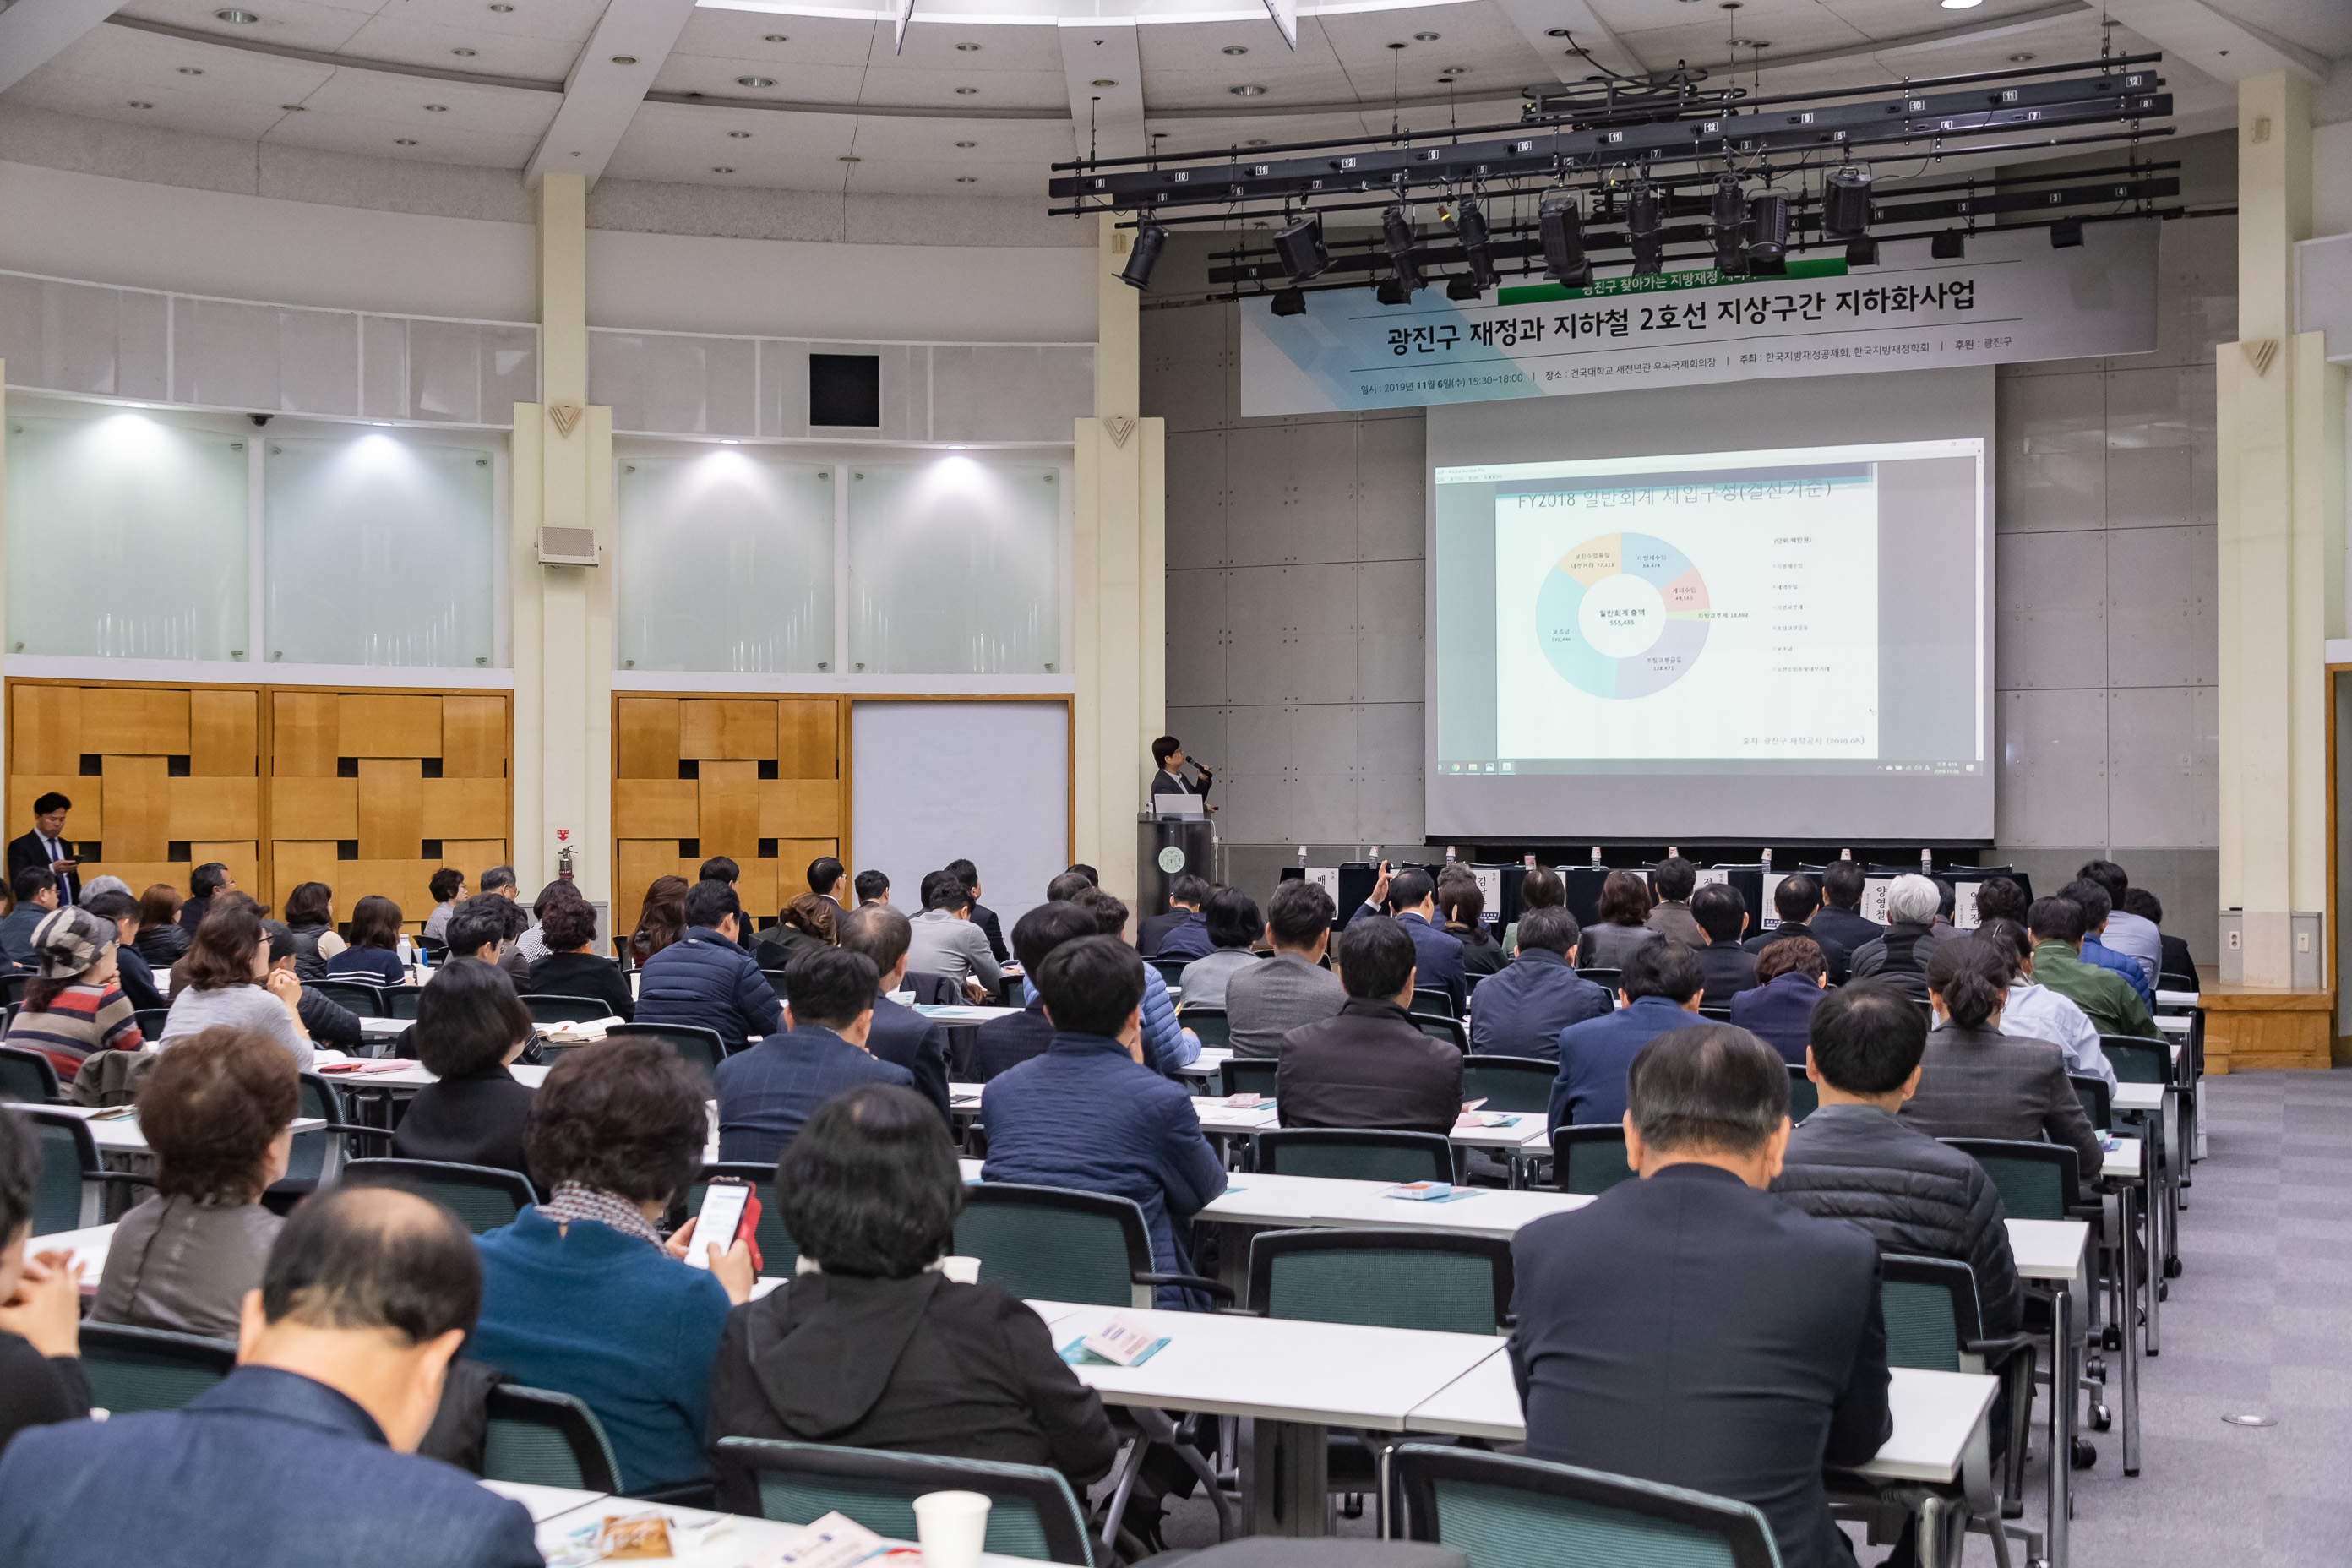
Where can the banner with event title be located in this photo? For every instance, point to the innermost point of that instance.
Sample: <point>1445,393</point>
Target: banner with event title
<point>2011,297</point>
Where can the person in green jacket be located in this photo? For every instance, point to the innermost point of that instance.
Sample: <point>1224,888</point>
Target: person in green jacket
<point>2114,1007</point>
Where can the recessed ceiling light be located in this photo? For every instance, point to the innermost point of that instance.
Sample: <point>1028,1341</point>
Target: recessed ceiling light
<point>967,144</point>
<point>1247,89</point>
<point>967,179</point>
<point>192,70</point>
<point>967,48</point>
<point>436,109</point>
<point>1751,43</point>
<point>755,81</point>
<point>295,108</point>
<point>967,91</point>
<point>1426,38</point>
<point>403,140</point>
<point>1962,4</point>
<point>1556,33</point>
<point>1254,142</point>
<point>851,158</point>
<point>740,135</point>
<point>1455,70</point>
<point>502,9</point>
<point>776,37</point>
<point>139,104</point>
<point>2018,59</point>
<point>464,53</point>
<point>236,17</point>
<point>1105,81</point>
<point>720,169</point>
<point>1236,48</point>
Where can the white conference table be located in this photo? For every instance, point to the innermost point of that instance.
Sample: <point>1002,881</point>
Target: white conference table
<point>115,1133</point>
<point>414,1075</point>
<point>731,1541</point>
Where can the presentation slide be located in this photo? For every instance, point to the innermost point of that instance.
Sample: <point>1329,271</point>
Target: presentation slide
<point>1784,642</point>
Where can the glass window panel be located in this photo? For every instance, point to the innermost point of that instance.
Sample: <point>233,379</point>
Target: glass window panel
<point>509,372</point>
<point>725,562</point>
<point>444,372</point>
<point>954,568</point>
<point>126,538</point>
<point>378,549</point>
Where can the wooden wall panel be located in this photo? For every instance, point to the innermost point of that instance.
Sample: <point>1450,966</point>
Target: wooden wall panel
<point>302,734</point>
<point>658,808</point>
<point>794,858</point>
<point>474,737</point>
<point>391,808</point>
<point>809,739</point>
<point>224,734</point>
<point>243,860</point>
<point>45,732</point>
<point>730,810</point>
<point>755,890</point>
<point>325,808</point>
<point>462,807</point>
<point>473,856</point>
<point>141,875</point>
<point>800,808</point>
<point>86,820</point>
<point>374,724</point>
<point>293,862</point>
<point>216,807</point>
<point>405,881</point>
<point>134,720</point>
<point>635,863</point>
<point>728,729</point>
<point>141,823</point>
<point>645,738</point>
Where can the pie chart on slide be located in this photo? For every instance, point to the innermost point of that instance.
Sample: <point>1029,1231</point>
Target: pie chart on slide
<point>1621,615</point>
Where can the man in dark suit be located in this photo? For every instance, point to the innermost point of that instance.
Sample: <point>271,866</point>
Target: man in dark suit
<point>1168,751</point>
<point>1693,1330</point>
<point>766,1093</point>
<point>899,1034</point>
<point>1524,1005</point>
<point>1185,896</point>
<point>1797,900</point>
<point>212,878</point>
<point>367,1294</point>
<point>982,916</point>
<point>1007,1042</point>
<point>824,874</point>
<point>1727,967</point>
<point>1657,992</point>
<point>1370,1065</point>
<point>1840,918</point>
<point>1413,894</point>
<point>46,846</point>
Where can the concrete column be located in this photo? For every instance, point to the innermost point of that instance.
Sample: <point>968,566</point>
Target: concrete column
<point>2280,544</point>
<point>561,616</point>
<point>1119,578</point>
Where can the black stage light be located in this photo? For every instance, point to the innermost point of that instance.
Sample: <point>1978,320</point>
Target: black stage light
<point>1478,248</point>
<point>1862,252</point>
<point>1949,246</point>
<point>1462,286</point>
<point>1290,302</point>
<point>1767,232</point>
<point>1148,239</point>
<point>1730,212</point>
<point>1397,230</point>
<point>1389,291</point>
<point>1645,226</point>
<point>1845,203</point>
<point>1563,240</point>
<point>1301,250</point>
<point>2066,234</point>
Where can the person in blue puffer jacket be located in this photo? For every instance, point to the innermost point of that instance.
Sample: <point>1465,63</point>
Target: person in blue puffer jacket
<point>1166,1047</point>
<point>706,979</point>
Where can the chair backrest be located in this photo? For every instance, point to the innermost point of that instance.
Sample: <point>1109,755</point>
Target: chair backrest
<point>132,1369</point>
<point>700,1048</point>
<point>2137,1060</point>
<point>1354,1155</point>
<point>547,1439</point>
<point>1508,1083</point>
<point>151,1022</point>
<point>776,979</point>
<point>2098,1099</point>
<point>932,990</point>
<point>778,1251</point>
<point>1716,1012</point>
<point>1804,1095</point>
<point>26,1075</point>
<point>12,986</point>
<point>1247,1075</point>
<point>400,1001</point>
<point>358,995</point>
<point>1171,970</point>
<point>1450,1030</point>
<point>483,1197</point>
<point>1385,1278</point>
<point>2037,1181</point>
<point>1589,1159</point>
<point>1052,1243</point>
<point>1031,1511</point>
<point>1931,1311</point>
<point>1434,1001</point>
<point>63,1196</point>
<point>548,1008</point>
<point>1605,978</point>
<point>1507,1511</point>
<point>316,1157</point>
<point>1207,1023</point>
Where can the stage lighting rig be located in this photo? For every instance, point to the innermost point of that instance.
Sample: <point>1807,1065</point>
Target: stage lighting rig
<point>1561,221</point>
<point>1300,246</point>
<point>1768,233</point>
<point>1731,218</point>
<point>1396,233</point>
<point>1845,203</point>
<point>1645,226</point>
<point>1149,240</point>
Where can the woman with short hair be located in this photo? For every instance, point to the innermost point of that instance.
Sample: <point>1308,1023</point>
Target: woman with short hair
<point>1621,926</point>
<point>162,938</point>
<point>1463,902</point>
<point>572,968</point>
<point>1790,976</point>
<point>72,1005</point>
<point>870,1346</point>
<point>229,981</point>
<point>310,920</point>
<point>216,1111</point>
<point>373,956</point>
<point>470,1027</point>
<point>447,887</point>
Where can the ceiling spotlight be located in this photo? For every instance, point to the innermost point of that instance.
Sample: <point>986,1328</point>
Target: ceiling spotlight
<point>720,169</point>
<point>1149,239</point>
<point>1237,49</point>
<point>967,144</point>
<point>1462,286</point>
<point>1104,82</point>
<point>1645,223</point>
<point>1862,252</point>
<point>1389,291</point>
<point>1247,89</point>
<point>966,91</point>
<point>464,53</point>
<point>236,17</point>
<point>139,104</point>
<point>1290,302</point>
<point>192,70</point>
<point>1424,38</point>
<point>849,158</point>
<point>1962,4</point>
<point>739,135</point>
<point>775,37</point>
<point>1396,232</point>
<point>739,82</point>
<point>1949,246</point>
<point>2066,234</point>
<point>967,179</point>
<point>1728,218</point>
<point>1301,249</point>
<point>1562,224</point>
<point>967,48</point>
<point>1845,203</point>
<point>1254,142</point>
<point>295,108</point>
<point>624,59</point>
<point>1768,233</point>
<point>403,140</point>
<point>2018,59</point>
<point>502,8</point>
<point>436,109</point>
<point>1478,248</point>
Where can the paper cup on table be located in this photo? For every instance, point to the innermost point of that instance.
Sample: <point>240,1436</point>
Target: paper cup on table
<point>951,1526</point>
<point>963,1270</point>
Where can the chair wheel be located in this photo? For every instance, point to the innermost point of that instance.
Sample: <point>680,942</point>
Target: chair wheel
<point>1352,1506</point>
<point>2172,1269</point>
<point>2085,1454</point>
<point>2111,1338</point>
<point>2096,1368</point>
<point>2163,1291</point>
<point>2101,1418</point>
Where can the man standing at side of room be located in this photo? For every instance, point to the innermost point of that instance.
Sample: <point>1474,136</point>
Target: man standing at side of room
<point>45,846</point>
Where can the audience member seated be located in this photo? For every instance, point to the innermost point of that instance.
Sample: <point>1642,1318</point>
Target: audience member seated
<point>1067,886</point>
<point>1840,918</point>
<point>1266,1001</point>
<point>205,883</point>
<point>1167,1045</point>
<point>533,943</point>
<point>1463,903</point>
<point>1728,968</point>
<point>2177,961</point>
<point>217,1112</point>
<point>1541,888</point>
<point>1977,1082</point>
<point>808,921</point>
<point>1789,976</point>
<point>447,886</point>
<point>330,1025</point>
<point>310,920</point>
<point>304,1456</point>
<point>898,1034</point>
<point>1007,1042</point>
<point>2098,913</point>
<point>470,1027</point>
<point>1854,1159</point>
<point>661,918</point>
<point>375,953</point>
<point>2106,997</point>
<point>580,1294</point>
<point>502,881</point>
<point>1521,1010</point>
<point>230,980</point>
<point>2000,898</point>
<point>823,878</point>
<point>766,1094</point>
<point>573,967</point>
<point>1691,1329</point>
<point>983,917</point>
<point>72,1005</point>
<point>1672,881</point>
<point>871,888</point>
<point>1186,895</point>
<point>1901,955</point>
<point>1797,900</point>
<point>162,938</point>
<point>2037,1013</point>
<point>1413,894</point>
<point>706,979</point>
<point>1089,1115</point>
<point>1233,925</point>
<point>132,970</point>
<point>1621,923</point>
<point>36,888</point>
<point>1370,1065</point>
<point>2132,935</point>
<point>945,942</point>
<point>40,1303</point>
<point>1657,992</point>
<point>869,1345</point>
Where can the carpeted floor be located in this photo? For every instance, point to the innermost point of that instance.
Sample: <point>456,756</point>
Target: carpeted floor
<point>2260,1321</point>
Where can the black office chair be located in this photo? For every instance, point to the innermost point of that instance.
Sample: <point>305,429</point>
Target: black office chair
<point>1247,1075</point>
<point>483,1197</point>
<point>1435,1002</point>
<point>1354,1155</point>
<point>71,1193</point>
<point>1508,1083</point>
<point>1804,1095</point>
<point>131,1369</point>
<point>26,1075</point>
<point>362,998</point>
<point>1033,1512</point>
<point>548,1008</point>
<point>2098,1099</point>
<point>400,1001</point>
<point>1589,1159</point>
<point>1208,1024</point>
<point>778,1251</point>
<point>1450,1030</point>
<point>544,1438</point>
<point>151,1022</point>
<point>1053,1244</point>
<point>698,1047</point>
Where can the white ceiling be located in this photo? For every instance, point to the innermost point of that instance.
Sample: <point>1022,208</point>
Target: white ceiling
<point>831,106</point>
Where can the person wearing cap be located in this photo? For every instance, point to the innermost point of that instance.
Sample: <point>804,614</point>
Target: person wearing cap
<point>72,1004</point>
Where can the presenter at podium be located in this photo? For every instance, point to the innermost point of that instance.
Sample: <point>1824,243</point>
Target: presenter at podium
<point>1169,752</point>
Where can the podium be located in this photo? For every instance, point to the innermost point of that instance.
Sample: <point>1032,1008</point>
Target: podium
<point>1165,850</point>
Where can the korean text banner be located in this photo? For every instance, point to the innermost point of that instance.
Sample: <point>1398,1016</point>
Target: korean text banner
<point>2011,297</point>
